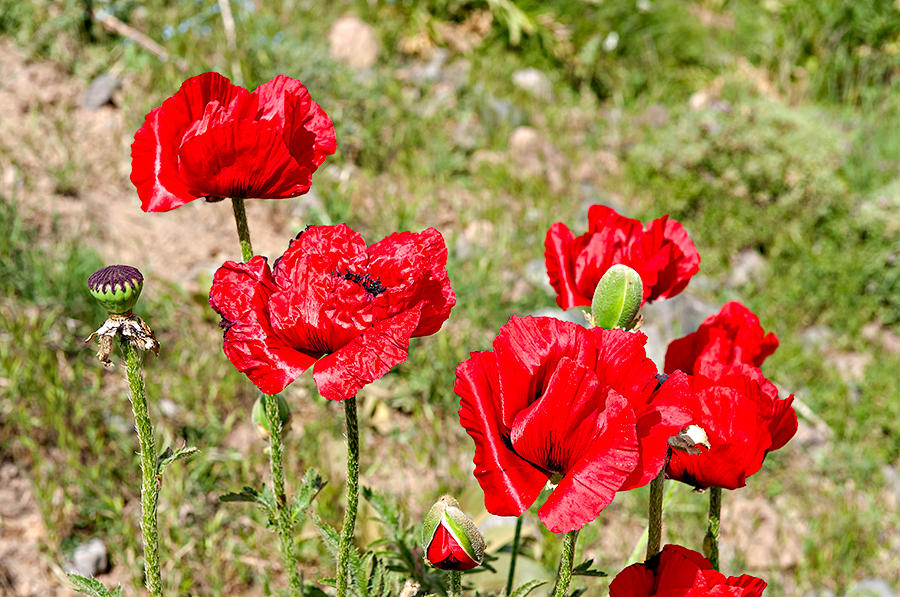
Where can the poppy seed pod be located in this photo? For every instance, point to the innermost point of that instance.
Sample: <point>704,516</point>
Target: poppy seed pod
<point>116,287</point>
<point>449,537</point>
<point>261,421</point>
<point>617,298</point>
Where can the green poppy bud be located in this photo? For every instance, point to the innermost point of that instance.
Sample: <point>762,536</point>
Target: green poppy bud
<point>450,539</point>
<point>617,298</point>
<point>259,415</point>
<point>116,287</point>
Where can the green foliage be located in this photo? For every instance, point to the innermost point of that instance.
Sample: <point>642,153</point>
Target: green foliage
<point>760,176</point>
<point>92,586</point>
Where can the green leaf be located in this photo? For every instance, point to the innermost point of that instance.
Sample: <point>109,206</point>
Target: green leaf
<point>330,536</point>
<point>312,485</point>
<point>92,586</point>
<point>168,457</point>
<point>528,587</point>
<point>584,569</point>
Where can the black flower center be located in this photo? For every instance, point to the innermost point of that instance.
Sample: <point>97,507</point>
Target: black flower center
<point>371,285</point>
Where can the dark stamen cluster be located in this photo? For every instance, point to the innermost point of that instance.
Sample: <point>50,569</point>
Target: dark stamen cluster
<point>371,285</point>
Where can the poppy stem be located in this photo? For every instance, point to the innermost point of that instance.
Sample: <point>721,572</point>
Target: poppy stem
<point>654,515</point>
<point>512,558</point>
<point>566,561</point>
<point>343,571</point>
<point>243,230</point>
<point>149,468</point>
<point>455,584</point>
<point>711,541</point>
<point>283,519</point>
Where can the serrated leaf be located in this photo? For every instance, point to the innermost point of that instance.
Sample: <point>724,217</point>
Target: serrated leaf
<point>528,587</point>
<point>263,499</point>
<point>90,586</point>
<point>168,457</point>
<point>310,488</point>
<point>330,536</point>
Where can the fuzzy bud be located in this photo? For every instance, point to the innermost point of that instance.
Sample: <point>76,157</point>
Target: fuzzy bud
<point>617,298</point>
<point>116,287</point>
<point>259,415</point>
<point>450,538</point>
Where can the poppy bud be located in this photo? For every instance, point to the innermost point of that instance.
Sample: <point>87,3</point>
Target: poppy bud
<point>450,538</point>
<point>116,287</point>
<point>617,298</point>
<point>259,415</point>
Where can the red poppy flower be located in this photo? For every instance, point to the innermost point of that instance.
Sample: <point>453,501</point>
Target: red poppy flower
<point>215,139</point>
<point>556,400</point>
<point>680,572</point>
<point>332,302</point>
<point>744,420</point>
<point>731,337</point>
<point>662,253</point>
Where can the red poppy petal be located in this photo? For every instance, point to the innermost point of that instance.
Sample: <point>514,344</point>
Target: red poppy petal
<point>636,580</point>
<point>307,130</point>
<point>367,357</point>
<point>559,260</point>
<point>591,484</point>
<point>623,364</point>
<point>413,267</point>
<point>526,349</point>
<point>783,425</point>
<point>154,153</point>
<point>557,428</point>
<point>315,306</point>
<point>753,587</point>
<point>239,294</point>
<point>737,435</point>
<point>664,417</point>
<point>242,158</point>
<point>445,552</point>
<point>680,260</point>
<point>510,483</point>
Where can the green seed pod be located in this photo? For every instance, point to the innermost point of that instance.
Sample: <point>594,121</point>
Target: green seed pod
<point>259,415</point>
<point>449,537</point>
<point>617,298</point>
<point>116,287</point>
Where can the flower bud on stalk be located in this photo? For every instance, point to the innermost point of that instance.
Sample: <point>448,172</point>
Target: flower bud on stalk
<point>259,416</point>
<point>617,299</point>
<point>450,538</point>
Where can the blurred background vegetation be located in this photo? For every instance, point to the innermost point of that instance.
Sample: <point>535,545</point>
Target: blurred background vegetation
<point>770,129</point>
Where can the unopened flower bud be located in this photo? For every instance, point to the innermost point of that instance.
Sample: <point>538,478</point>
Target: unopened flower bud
<point>617,298</point>
<point>450,538</point>
<point>259,415</point>
<point>116,287</point>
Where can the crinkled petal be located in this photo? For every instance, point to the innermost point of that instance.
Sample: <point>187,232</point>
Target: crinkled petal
<point>591,484</point>
<point>510,483</point>
<point>527,351</point>
<point>666,415</point>
<point>154,152</point>
<point>559,259</point>
<point>668,247</point>
<point>241,158</point>
<point>367,357</point>
<point>307,130</point>
<point>622,363</point>
<point>413,268</point>
<point>240,293</point>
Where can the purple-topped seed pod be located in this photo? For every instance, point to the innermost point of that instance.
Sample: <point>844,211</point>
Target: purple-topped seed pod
<point>116,287</point>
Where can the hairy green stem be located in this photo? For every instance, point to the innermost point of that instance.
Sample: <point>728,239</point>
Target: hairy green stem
<point>512,557</point>
<point>711,541</point>
<point>149,468</point>
<point>566,561</point>
<point>455,584</point>
<point>283,519</point>
<point>654,515</point>
<point>243,230</point>
<point>343,566</point>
